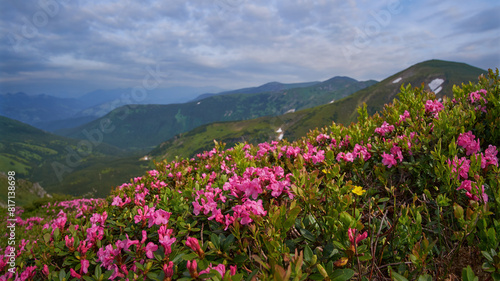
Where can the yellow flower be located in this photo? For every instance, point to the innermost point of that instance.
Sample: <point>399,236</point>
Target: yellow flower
<point>358,190</point>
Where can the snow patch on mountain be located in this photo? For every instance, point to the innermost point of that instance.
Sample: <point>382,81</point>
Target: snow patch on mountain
<point>435,85</point>
<point>281,133</point>
<point>397,80</point>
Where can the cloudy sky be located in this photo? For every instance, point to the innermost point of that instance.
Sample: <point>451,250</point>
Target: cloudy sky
<point>70,47</point>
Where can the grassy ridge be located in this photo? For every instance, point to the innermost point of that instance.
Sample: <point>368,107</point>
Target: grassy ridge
<point>32,154</point>
<point>342,111</point>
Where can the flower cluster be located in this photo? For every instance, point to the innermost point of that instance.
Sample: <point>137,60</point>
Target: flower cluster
<point>434,107</point>
<point>461,166</point>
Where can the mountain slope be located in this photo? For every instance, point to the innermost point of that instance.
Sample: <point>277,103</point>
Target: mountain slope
<point>297,124</point>
<point>268,87</point>
<point>61,164</point>
<point>161,122</point>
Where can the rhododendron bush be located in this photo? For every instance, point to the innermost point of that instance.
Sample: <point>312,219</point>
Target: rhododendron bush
<point>407,194</point>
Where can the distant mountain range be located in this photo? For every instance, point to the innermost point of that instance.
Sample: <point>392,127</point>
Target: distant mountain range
<point>161,122</point>
<point>437,76</point>
<point>266,88</point>
<point>54,113</point>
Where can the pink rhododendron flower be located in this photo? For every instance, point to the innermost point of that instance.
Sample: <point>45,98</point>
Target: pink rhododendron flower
<point>99,218</point>
<point>490,156</point>
<point>472,191</point>
<point>467,141</point>
<point>126,243</point>
<point>168,269</point>
<point>352,233</point>
<point>478,96</point>
<point>166,240</point>
<point>193,243</point>
<point>73,274</point>
<point>161,217</point>
<point>107,255</point>
<point>345,142</point>
<point>388,160</point>
<point>398,154</point>
<point>233,269</point>
<point>221,268</point>
<point>116,272</point>
<point>404,116</point>
<point>84,247</point>
<point>153,173</point>
<point>462,164</point>
<point>95,233</point>
<point>385,128</point>
<point>70,242</point>
<point>322,138</point>
<point>150,248</point>
<point>433,106</point>
<point>349,157</point>
<point>85,265</point>
<point>362,151</point>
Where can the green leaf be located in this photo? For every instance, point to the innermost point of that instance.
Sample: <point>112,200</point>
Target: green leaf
<point>458,211</point>
<point>398,277</point>
<point>56,233</point>
<point>365,258</point>
<point>228,242</point>
<point>308,253</point>
<point>62,275</point>
<point>189,257</point>
<point>88,278</point>
<point>468,274</point>
<point>152,275</point>
<point>487,256</point>
<point>46,237</point>
<point>342,274</point>
<point>240,259</point>
<point>237,277</point>
<point>292,215</point>
<point>216,240</point>
<point>307,235</point>
<point>425,277</point>
<point>316,276</point>
<point>98,272</point>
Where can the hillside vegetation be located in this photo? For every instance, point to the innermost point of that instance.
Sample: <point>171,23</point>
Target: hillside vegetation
<point>63,165</point>
<point>343,111</point>
<point>162,122</point>
<point>410,193</point>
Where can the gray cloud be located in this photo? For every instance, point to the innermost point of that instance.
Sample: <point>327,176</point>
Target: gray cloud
<point>79,46</point>
<point>482,21</point>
